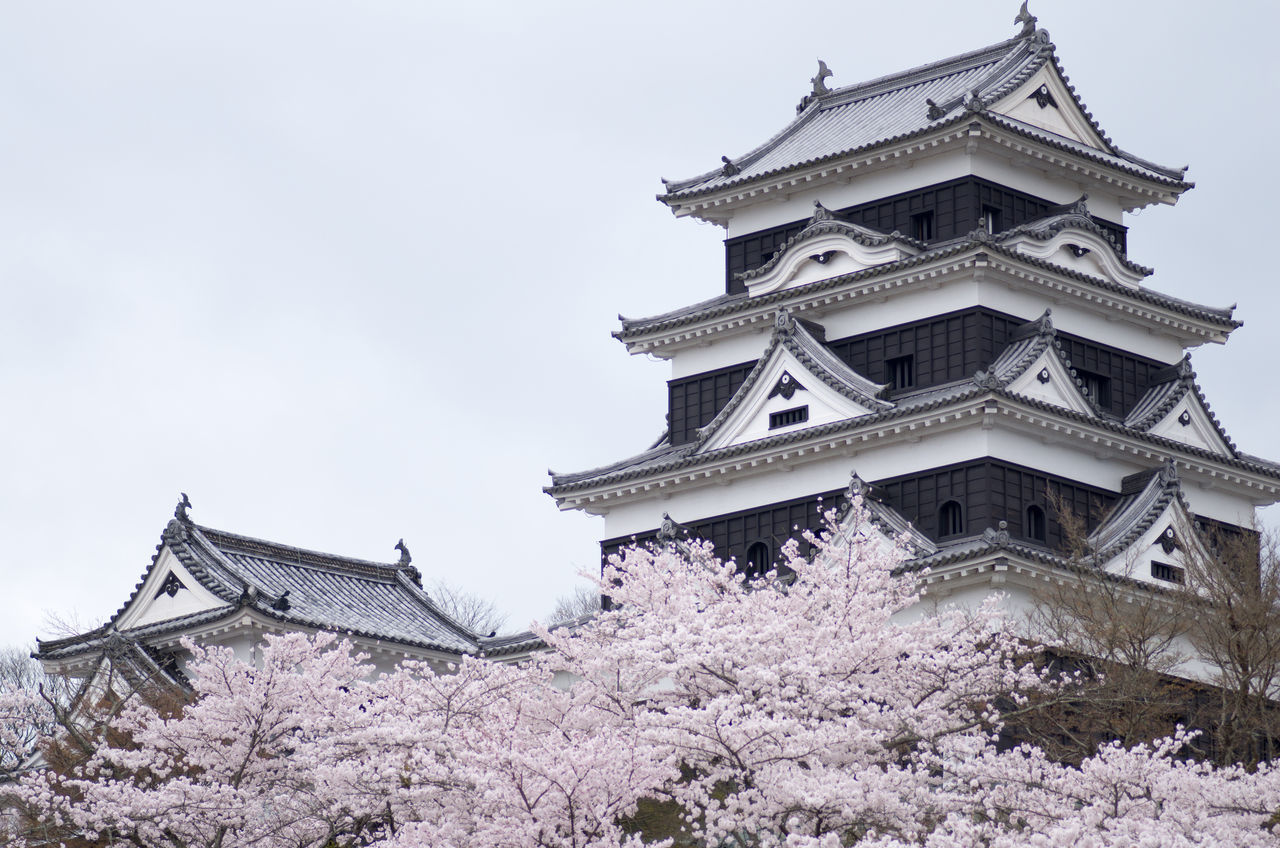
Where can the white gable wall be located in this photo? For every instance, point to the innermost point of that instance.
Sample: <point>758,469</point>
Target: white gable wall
<point>1198,431</point>
<point>1059,388</point>
<point>151,605</point>
<point>1064,119</point>
<point>750,421</point>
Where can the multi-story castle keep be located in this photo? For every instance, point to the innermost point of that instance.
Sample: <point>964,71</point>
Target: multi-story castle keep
<point>927,287</point>
<point>927,291</point>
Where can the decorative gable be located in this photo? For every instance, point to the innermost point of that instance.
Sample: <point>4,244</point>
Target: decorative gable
<point>1190,423</point>
<point>796,384</point>
<point>1160,555</point>
<point>1048,379</point>
<point>169,591</point>
<point>1046,102</point>
<point>768,411</point>
<point>1083,251</point>
<point>1035,367</point>
<point>1174,408</point>
<point>828,247</point>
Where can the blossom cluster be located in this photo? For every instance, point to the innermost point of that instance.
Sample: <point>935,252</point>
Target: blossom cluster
<point>819,705</point>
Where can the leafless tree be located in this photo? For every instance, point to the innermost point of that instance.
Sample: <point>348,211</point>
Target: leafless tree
<point>470,610</point>
<point>583,600</point>
<point>25,729</point>
<point>1232,600</point>
<point>1130,643</point>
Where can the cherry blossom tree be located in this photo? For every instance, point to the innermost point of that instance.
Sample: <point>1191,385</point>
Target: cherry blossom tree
<point>824,706</point>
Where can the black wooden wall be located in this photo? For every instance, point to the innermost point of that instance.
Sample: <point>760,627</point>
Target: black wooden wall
<point>990,491</point>
<point>957,207</point>
<point>945,348</point>
<point>949,347</point>
<point>693,401</point>
<point>734,532</point>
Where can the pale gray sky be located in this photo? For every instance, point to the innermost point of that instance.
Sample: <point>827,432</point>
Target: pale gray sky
<point>346,272</point>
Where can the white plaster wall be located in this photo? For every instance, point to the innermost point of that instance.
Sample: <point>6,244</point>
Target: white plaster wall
<point>777,208</point>
<point>1208,500</point>
<point>1017,172</point>
<point>770,484</point>
<point>1018,604</point>
<point>726,349</point>
<point>871,314</point>
<point>925,169</point>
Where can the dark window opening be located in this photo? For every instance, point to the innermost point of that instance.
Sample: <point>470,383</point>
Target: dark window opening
<point>1167,573</point>
<point>759,559</point>
<point>991,219</point>
<point>900,372</point>
<point>787,417</point>
<point>950,519</point>
<point>1035,523</point>
<point>1097,386</point>
<point>922,226</point>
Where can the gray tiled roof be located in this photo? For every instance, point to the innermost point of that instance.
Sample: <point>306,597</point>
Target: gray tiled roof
<point>869,114</point>
<point>1136,511</point>
<point>293,586</point>
<point>891,522</point>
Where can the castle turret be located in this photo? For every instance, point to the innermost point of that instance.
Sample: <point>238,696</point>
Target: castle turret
<point>927,285</point>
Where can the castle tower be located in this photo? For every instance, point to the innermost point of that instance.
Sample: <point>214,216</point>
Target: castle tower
<point>927,290</point>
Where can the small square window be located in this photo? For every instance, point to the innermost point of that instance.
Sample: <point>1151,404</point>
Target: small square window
<point>1167,573</point>
<point>1097,386</point>
<point>991,219</point>
<point>922,226</point>
<point>900,372</point>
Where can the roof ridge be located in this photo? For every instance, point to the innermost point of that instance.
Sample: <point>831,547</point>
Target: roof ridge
<point>852,93</point>
<point>299,556</point>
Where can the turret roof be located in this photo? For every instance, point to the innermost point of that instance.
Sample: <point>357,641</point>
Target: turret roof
<point>848,120</point>
<point>290,585</point>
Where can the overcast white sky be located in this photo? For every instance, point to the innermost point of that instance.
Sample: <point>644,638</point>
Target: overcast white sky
<point>346,272</point>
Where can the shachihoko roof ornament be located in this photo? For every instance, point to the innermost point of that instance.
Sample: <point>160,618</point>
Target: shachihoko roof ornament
<point>180,511</point>
<point>819,81</point>
<point>1027,20</point>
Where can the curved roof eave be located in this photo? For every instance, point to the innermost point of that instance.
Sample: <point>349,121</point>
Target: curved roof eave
<point>724,306</point>
<point>683,458</point>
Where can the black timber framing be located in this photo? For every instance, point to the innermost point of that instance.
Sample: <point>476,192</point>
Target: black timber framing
<point>693,401</point>
<point>733,533</point>
<point>944,348</point>
<point>990,491</point>
<point>957,207</point>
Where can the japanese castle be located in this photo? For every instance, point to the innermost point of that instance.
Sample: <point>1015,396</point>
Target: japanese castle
<point>927,297</point>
